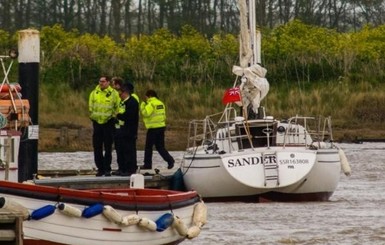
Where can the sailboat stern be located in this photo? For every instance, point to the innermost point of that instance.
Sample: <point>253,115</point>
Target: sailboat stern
<point>318,185</point>
<point>269,170</point>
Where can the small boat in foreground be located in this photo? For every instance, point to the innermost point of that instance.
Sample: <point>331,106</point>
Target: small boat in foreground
<point>55,215</point>
<point>242,154</point>
<point>97,216</point>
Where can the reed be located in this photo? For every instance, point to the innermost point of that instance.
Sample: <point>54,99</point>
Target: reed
<point>357,110</point>
<point>61,106</point>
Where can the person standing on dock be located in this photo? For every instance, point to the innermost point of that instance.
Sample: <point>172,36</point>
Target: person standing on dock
<point>126,132</point>
<point>117,83</point>
<point>103,104</point>
<point>153,112</point>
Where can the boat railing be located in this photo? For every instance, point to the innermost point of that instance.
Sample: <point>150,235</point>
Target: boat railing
<point>201,131</point>
<point>231,132</point>
<point>308,131</point>
<point>227,132</point>
<point>204,132</point>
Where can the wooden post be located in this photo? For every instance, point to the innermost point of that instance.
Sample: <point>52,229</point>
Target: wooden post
<point>82,132</point>
<point>29,60</point>
<point>64,138</point>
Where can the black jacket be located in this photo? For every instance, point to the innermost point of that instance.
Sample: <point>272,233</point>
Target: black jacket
<point>130,118</point>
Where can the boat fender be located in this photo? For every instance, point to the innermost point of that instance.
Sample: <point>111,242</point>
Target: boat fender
<point>132,219</point>
<point>164,221</point>
<point>69,210</point>
<point>319,145</point>
<point>148,224</point>
<point>179,226</point>
<point>43,212</point>
<point>344,163</point>
<point>200,214</point>
<point>92,210</point>
<point>193,232</point>
<point>112,215</point>
<point>9,204</point>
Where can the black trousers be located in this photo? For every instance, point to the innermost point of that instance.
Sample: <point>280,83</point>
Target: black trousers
<point>155,136</point>
<point>102,140</point>
<point>126,154</point>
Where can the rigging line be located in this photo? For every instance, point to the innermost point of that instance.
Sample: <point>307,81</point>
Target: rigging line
<point>192,160</point>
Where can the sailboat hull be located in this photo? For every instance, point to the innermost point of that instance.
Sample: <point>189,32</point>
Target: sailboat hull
<point>301,175</point>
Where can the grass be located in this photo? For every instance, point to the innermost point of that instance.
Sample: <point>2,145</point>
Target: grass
<point>357,110</point>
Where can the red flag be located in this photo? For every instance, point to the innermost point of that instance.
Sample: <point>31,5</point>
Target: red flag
<point>231,95</point>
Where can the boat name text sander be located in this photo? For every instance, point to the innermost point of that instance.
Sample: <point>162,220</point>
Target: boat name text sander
<point>240,162</point>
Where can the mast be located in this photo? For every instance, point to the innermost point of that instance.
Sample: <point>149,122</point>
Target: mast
<point>250,37</point>
<point>255,35</point>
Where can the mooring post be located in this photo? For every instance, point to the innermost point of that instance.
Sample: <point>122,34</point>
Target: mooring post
<point>29,59</point>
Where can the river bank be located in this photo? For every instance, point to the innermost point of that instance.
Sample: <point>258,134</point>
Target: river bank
<point>80,139</point>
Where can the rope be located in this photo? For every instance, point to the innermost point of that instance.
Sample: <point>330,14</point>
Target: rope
<point>136,203</point>
<point>169,204</point>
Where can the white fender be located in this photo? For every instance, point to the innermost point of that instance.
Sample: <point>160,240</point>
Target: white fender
<point>132,219</point>
<point>344,162</point>
<point>179,226</point>
<point>319,145</point>
<point>69,210</point>
<point>193,232</point>
<point>9,204</point>
<point>200,214</point>
<point>112,215</point>
<point>148,224</point>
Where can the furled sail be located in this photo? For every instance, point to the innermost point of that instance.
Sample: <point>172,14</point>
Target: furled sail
<point>254,85</point>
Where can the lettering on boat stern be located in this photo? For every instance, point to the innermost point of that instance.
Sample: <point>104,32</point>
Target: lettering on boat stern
<point>254,160</point>
<point>270,159</point>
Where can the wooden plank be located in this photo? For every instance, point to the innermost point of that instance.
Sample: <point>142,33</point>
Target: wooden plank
<point>7,217</point>
<point>7,235</point>
<point>19,231</point>
<point>11,227</point>
<point>67,178</point>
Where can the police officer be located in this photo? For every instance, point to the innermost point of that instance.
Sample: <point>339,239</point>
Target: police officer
<point>153,112</point>
<point>103,104</point>
<point>117,83</point>
<point>126,132</point>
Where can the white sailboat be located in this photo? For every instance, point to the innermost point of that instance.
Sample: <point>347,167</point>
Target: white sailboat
<point>243,154</point>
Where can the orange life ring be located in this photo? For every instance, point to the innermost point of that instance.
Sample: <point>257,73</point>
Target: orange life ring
<point>14,87</point>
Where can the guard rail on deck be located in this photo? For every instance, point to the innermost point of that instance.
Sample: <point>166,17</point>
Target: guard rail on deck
<point>298,130</point>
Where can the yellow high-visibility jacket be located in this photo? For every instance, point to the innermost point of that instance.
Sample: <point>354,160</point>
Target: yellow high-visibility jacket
<point>103,104</point>
<point>153,113</point>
